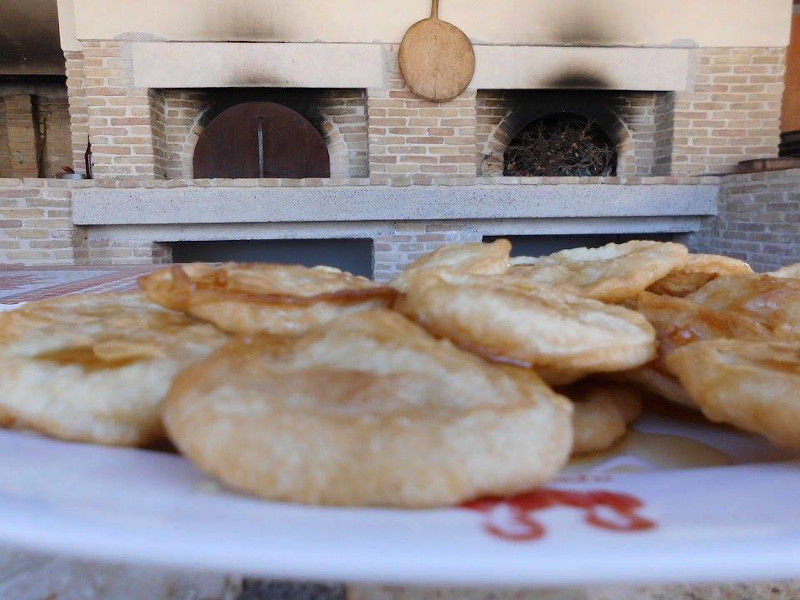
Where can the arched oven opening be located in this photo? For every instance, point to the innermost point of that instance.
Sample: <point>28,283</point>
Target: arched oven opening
<point>561,145</point>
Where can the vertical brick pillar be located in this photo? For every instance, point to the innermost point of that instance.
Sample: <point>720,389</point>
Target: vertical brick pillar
<point>126,124</point>
<point>78,114</point>
<point>5,158</point>
<point>21,135</point>
<point>413,141</point>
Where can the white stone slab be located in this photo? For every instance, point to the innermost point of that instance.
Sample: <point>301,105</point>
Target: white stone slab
<point>550,67</point>
<point>195,205</point>
<point>196,65</point>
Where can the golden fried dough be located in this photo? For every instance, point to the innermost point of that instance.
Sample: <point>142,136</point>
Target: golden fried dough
<point>273,298</point>
<point>754,386</point>
<point>787,272</point>
<point>772,302</point>
<point>368,409</point>
<point>562,336</point>
<point>602,412</point>
<point>694,274</point>
<point>679,321</point>
<point>657,382</point>
<point>474,258</point>
<point>95,367</point>
<point>612,273</point>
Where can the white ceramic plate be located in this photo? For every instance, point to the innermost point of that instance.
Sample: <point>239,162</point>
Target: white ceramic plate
<point>676,501</point>
<point>735,522</point>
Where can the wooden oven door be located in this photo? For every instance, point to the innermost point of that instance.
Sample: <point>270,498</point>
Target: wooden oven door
<point>260,139</point>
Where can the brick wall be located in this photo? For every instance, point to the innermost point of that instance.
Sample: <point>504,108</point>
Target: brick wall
<point>410,240</point>
<point>122,119</point>
<point>158,133</point>
<point>344,125</point>
<point>664,121</point>
<point>5,157</point>
<point>733,113</point>
<point>78,110</point>
<point>413,141</point>
<point>21,136</point>
<point>758,220</point>
<point>36,221</point>
<point>57,139</point>
<point>184,122</point>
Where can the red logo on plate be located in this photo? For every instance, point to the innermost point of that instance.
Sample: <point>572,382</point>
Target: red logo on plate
<point>512,518</point>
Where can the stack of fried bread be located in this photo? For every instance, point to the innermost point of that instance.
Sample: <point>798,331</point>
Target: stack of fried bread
<point>470,374</point>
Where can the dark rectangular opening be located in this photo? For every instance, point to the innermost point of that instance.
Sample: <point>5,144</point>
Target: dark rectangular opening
<point>542,245</point>
<point>353,255</point>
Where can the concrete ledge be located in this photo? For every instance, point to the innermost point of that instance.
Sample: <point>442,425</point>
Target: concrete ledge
<point>183,206</point>
<point>374,229</point>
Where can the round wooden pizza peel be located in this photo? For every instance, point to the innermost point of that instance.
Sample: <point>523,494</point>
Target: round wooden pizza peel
<point>436,58</point>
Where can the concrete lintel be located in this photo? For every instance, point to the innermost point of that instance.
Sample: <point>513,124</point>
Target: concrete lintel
<point>190,205</point>
<point>199,65</point>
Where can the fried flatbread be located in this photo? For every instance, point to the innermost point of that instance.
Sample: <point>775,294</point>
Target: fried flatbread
<point>271,298</point>
<point>602,412</point>
<point>612,273</point>
<point>562,336</point>
<point>694,274</point>
<point>658,382</point>
<point>754,386</point>
<point>368,409</point>
<point>95,367</point>
<point>787,272</point>
<point>679,321</point>
<point>474,258</point>
<point>772,302</point>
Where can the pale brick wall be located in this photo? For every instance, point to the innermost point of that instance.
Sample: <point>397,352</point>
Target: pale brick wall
<point>410,240</point>
<point>36,221</point>
<point>57,140</point>
<point>158,131</point>
<point>184,122</point>
<point>122,119</point>
<point>734,112</point>
<point>344,125</point>
<point>664,121</point>
<point>78,110</point>
<point>413,141</point>
<point>5,157</point>
<point>21,136</point>
<point>758,220</point>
